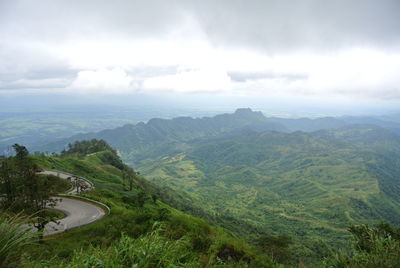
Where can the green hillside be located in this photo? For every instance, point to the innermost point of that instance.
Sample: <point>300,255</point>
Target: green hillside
<point>310,186</point>
<point>155,233</point>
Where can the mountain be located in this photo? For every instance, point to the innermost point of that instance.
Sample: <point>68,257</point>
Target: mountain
<point>391,122</point>
<point>142,140</point>
<point>258,176</point>
<point>308,185</point>
<point>36,129</point>
<point>308,178</point>
<point>309,125</point>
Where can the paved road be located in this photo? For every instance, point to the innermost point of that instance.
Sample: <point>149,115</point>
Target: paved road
<point>78,213</point>
<point>73,178</point>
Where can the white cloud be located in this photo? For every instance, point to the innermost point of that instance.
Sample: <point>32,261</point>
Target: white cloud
<point>191,81</point>
<point>354,73</point>
<point>103,81</point>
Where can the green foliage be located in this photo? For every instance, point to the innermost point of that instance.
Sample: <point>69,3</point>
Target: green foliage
<point>85,147</point>
<point>365,236</point>
<point>150,250</point>
<point>21,151</point>
<point>14,236</point>
<point>276,246</point>
<point>306,186</point>
<point>23,190</point>
<point>374,247</point>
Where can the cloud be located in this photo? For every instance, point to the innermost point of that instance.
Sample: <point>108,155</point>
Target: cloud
<point>103,81</point>
<point>304,47</point>
<point>246,76</point>
<point>356,73</point>
<point>192,81</point>
<point>278,26</point>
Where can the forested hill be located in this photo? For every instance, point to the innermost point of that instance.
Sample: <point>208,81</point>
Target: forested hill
<point>310,186</point>
<point>147,138</point>
<point>133,140</point>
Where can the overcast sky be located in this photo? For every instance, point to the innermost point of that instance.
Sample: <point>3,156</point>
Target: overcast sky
<point>345,49</point>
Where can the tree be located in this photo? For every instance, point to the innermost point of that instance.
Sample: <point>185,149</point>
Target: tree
<point>22,189</point>
<point>141,198</point>
<point>21,151</point>
<point>276,246</point>
<point>8,189</point>
<point>129,175</point>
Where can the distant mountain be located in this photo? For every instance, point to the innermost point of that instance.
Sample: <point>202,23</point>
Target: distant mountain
<point>391,117</point>
<point>309,125</point>
<point>136,140</point>
<point>367,135</point>
<point>389,122</point>
<point>133,141</point>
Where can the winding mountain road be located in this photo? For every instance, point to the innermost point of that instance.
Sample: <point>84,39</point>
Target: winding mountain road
<point>77,212</point>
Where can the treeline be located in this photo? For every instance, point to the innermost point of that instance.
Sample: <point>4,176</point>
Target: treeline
<point>85,147</point>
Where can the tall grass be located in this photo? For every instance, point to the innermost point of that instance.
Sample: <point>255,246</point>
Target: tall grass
<point>150,250</point>
<point>14,235</point>
<point>372,248</point>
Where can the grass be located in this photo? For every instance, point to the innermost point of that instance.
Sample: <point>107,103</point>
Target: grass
<point>14,237</point>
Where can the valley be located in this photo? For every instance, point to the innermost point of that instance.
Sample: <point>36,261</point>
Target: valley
<point>262,176</point>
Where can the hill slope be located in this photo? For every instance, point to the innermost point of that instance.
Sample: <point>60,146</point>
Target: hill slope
<point>310,186</point>
<point>135,213</point>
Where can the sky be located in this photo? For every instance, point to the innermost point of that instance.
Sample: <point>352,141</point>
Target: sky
<point>306,51</point>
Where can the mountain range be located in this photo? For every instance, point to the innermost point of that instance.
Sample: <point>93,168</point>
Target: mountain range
<point>307,178</point>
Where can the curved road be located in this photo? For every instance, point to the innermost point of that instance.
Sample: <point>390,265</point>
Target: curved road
<point>73,178</point>
<point>78,213</point>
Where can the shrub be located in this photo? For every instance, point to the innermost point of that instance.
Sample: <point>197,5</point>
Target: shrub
<point>373,247</point>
